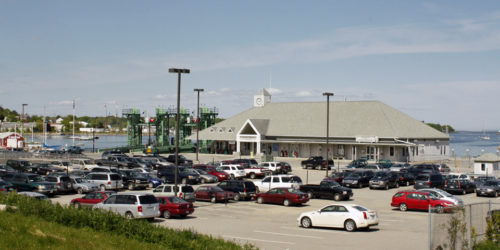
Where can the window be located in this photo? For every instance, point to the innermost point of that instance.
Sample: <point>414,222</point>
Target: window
<point>90,196</point>
<point>391,151</point>
<point>98,196</point>
<point>341,209</point>
<point>483,167</point>
<point>110,200</point>
<point>267,179</point>
<point>158,189</point>
<point>146,199</point>
<point>276,179</point>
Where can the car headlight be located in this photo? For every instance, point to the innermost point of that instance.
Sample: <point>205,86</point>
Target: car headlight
<point>489,190</point>
<point>41,187</point>
<point>344,192</point>
<point>191,177</point>
<point>382,182</point>
<point>354,182</point>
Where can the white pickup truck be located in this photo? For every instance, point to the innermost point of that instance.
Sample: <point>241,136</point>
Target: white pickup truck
<point>275,181</point>
<point>258,171</point>
<point>272,166</point>
<point>234,170</point>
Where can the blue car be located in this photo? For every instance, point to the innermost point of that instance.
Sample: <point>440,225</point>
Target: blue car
<point>155,181</point>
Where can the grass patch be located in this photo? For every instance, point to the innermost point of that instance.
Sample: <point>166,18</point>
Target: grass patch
<point>110,223</point>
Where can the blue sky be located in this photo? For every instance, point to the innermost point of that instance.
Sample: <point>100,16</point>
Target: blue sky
<point>437,61</point>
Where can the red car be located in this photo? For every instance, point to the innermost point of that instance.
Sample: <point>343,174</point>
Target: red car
<point>335,176</point>
<point>212,194</point>
<point>285,196</point>
<point>174,206</point>
<point>91,199</point>
<point>213,170</point>
<point>420,201</point>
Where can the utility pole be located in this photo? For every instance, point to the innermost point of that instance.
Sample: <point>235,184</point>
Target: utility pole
<point>73,122</point>
<point>198,123</point>
<point>327,94</point>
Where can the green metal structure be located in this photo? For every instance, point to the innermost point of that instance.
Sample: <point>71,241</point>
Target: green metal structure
<point>134,129</point>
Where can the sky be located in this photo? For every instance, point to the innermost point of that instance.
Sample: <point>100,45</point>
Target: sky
<point>437,61</point>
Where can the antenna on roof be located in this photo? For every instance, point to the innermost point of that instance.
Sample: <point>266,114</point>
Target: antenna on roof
<point>270,80</point>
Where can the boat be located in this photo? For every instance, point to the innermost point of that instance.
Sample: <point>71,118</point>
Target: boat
<point>83,137</point>
<point>484,137</point>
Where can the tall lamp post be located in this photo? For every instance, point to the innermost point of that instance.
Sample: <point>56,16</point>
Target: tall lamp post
<point>22,119</point>
<point>327,94</point>
<point>179,72</point>
<point>198,123</point>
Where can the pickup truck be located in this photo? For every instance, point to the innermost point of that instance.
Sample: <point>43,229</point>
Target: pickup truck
<point>256,171</point>
<point>327,189</point>
<point>316,162</point>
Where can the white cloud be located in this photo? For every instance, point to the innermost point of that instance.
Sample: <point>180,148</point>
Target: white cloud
<point>274,91</point>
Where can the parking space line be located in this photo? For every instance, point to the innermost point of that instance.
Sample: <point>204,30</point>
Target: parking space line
<point>318,230</point>
<point>293,235</point>
<point>271,241</point>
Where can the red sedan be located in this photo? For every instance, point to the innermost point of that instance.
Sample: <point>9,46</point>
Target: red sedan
<point>420,201</point>
<point>213,170</point>
<point>91,199</point>
<point>285,196</point>
<point>174,206</point>
<point>212,194</point>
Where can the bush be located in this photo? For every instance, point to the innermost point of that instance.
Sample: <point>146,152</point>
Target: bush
<point>106,221</point>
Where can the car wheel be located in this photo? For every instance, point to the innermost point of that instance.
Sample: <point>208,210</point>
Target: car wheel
<point>440,209</point>
<point>386,186</point>
<point>403,207</point>
<point>496,194</point>
<point>336,197</point>
<point>407,183</point>
<point>260,200</point>
<point>184,181</point>
<point>350,225</point>
<point>252,176</point>
<point>310,195</point>
<point>360,185</point>
<point>213,199</point>
<point>371,187</point>
<point>463,191</point>
<point>237,197</point>
<point>232,176</point>
<point>129,215</point>
<point>166,214</point>
<point>79,190</point>
<point>202,181</point>
<point>397,184</point>
<point>306,222</point>
<point>131,186</point>
<point>286,203</point>
<point>102,188</point>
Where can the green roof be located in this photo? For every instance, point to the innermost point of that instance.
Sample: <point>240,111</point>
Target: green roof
<point>308,120</point>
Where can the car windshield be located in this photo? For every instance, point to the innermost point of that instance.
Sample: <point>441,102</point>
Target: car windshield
<point>147,199</point>
<point>219,169</point>
<point>201,172</point>
<point>35,178</point>
<point>88,162</point>
<point>360,208</point>
<point>335,184</point>
<point>355,175</point>
<point>381,174</point>
<point>78,180</point>
<point>175,199</point>
<point>188,170</point>
<point>240,168</point>
<point>334,175</point>
<point>294,191</point>
<point>492,183</point>
<point>422,178</point>
<point>216,189</point>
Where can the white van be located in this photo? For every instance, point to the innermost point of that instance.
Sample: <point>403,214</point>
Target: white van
<point>132,205</point>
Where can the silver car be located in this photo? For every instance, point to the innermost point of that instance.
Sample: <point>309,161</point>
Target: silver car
<point>81,186</point>
<point>443,195</point>
<point>132,205</point>
<point>105,181</point>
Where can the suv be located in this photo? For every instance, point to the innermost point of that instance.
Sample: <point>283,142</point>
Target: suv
<point>246,163</point>
<point>235,171</point>
<point>181,160</point>
<point>132,205</point>
<point>81,186</point>
<point>185,192</point>
<point>358,179</point>
<point>83,164</point>
<point>133,179</point>
<point>282,180</point>
<point>384,180</point>
<point>62,182</point>
<point>105,181</point>
<point>423,168</point>
<point>241,189</point>
<point>429,181</point>
<point>167,174</point>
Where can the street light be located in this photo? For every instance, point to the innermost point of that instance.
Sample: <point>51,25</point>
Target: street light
<point>328,94</point>
<point>198,123</point>
<point>179,72</point>
<point>22,119</point>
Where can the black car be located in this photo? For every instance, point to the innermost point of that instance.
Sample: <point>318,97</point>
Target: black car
<point>406,179</point>
<point>180,159</point>
<point>134,179</point>
<point>384,180</point>
<point>429,181</point>
<point>245,190</point>
<point>18,165</point>
<point>327,189</point>
<point>43,169</point>
<point>285,167</point>
<point>424,169</point>
<point>480,181</point>
<point>73,150</point>
<point>358,179</point>
<point>167,174</point>
<point>6,187</point>
<point>460,186</point>
<point>489,188</point>
<point>358,163</point>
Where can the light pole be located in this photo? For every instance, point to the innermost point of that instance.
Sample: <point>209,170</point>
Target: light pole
<point>198,123</point>
<point>22,119</point>
<point>327,94</point>
<point>179,72</point>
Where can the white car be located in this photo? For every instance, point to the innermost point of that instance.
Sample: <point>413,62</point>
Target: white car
<point>235,171</point>
<point>443,195</point>
<point>276,181</point>
<point>347,216</point>
<point>274,166</point>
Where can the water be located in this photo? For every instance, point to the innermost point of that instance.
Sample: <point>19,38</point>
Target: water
<point>463,140</point>
<point>459,141</point>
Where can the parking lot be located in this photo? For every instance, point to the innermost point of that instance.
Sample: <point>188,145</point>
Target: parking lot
<point>275,227</point>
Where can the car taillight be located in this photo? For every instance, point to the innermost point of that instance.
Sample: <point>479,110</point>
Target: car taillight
<point>459,186</point>
<point>429,183</point>
<point>3,189</point>
<point>139,209</point>
<point>59,184</point>
<point>180,195</point>
<point>244,190</point>
<point>401,179</point>
<point>365,216</point>
<point>109,182</point>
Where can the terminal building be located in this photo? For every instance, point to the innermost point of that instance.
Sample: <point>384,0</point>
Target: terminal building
<point>357,129</point>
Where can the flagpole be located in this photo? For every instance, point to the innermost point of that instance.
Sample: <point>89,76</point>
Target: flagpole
<point>73,122</point>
